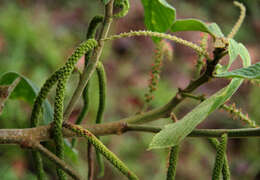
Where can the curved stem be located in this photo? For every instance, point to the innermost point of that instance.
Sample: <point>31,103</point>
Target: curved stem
<point>89,70</point>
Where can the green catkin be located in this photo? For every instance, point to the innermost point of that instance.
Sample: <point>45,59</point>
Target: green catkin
<point>172,163</point>
<point>102,81</point>
<point>101,108</point>
<point>59,74</point>
<point>110,156</point>
<point>57,124</point>
<point>85,95</point>
<point>239,21</point>
<point>91,33</point>
<point>123,5</point>
<point>219,161</point>
<point>176,39</point>
<point>155,73</point>
<point>200,62</point>
<point>67,68</point>
<point>59,99</point>
<point>237,113</point>
<point>225,170</point>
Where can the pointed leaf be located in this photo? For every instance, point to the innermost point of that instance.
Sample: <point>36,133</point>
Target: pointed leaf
<point>190,25</point>
<point>26,91</point>
<point>251,72</point>
<point>173,134</point>
<point>214,29</point>
<point>159,15</point>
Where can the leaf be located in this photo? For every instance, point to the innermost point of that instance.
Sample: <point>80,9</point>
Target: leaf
<point>251,72</point>
<point>105,1</point>
<point>5,92</point>
<point>214,29</point>
<point>26,91</point>
<point>190,25</point>
<point>159,15</point>
<point>70,153</point>
<point>235,49</point>
<point>173,134</point>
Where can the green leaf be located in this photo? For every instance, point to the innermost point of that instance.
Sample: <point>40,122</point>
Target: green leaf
<point>105,1</point>
<point>251,72</point>
<point>214,29</point>
<point>190,25</point>
<point>235,49</point>
<point>26,91</point>
<point>159,15</point>
<point>70,153</point>
<point>173,134</point>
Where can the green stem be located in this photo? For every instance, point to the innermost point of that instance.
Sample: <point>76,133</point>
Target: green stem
<point>91,66</point>
<point>57,161</point>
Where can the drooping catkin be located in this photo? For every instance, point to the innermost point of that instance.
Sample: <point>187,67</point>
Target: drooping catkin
<point>102,82</point>
<point>57,124</point>
<point>163,49</point>
<point>220,156</point>
<point>92,28</point>
<point>110,156</point>
<point>172,163</point>
<point>225,170</point>
<point>61,73</point>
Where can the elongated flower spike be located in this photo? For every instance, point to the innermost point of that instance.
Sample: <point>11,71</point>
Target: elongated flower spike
<point>176,39</point>
<point>110,156</point>
<point>239,21</point>
<point>220,156</point>
<point>61,74</point>
<point>163,49</point>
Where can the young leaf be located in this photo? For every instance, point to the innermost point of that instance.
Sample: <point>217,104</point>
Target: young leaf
<point>159,15</point>
<point>173,134</point>
<point>190,25</point>
<point>26,91</point>
<point>214,29</point>
<point>251,72</point>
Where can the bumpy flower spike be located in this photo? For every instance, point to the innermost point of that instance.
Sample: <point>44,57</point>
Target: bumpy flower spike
<point>101,108</point>
<point>63,72</point>
<point>173,158</point>
<point>220,156</point>
<point>176,39</point>
<point>110,156</point>
<point>163,49</point>
<point>123,5</point>
<point>85,95</point>
<point>239,21</point>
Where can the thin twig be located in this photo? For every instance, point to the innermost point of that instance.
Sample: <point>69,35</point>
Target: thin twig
<point>89,70</point>
<point>62,164</point>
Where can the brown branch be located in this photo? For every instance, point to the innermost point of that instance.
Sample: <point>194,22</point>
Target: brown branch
<point>43,133</point>
<point>62,164</point>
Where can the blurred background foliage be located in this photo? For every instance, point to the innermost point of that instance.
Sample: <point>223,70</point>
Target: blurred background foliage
<point>36,37</point>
